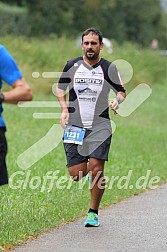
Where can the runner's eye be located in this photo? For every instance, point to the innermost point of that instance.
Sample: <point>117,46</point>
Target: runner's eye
<point>92,43</point>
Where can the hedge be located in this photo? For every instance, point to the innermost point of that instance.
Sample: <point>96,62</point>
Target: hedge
<point>13,20</point>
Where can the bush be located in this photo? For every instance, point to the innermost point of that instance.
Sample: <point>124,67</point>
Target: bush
<point>13,20</point>
<point>50,55</point>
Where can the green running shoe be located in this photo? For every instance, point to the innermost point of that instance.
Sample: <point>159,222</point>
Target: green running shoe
<point>92,220</point>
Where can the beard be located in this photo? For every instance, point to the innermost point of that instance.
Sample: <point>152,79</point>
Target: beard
<point>91,55</point>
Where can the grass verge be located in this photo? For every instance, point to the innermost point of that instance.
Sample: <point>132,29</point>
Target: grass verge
<point>138,149</point>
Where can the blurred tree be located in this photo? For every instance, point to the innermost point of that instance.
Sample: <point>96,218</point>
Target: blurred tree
<point>161,33</point>
<point>92,13</point>
<point>47,17</point>
<point>15,2</point>
<point>13,20</point>
<point>138,21</point>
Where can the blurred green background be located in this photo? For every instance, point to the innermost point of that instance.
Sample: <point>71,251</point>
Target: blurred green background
<point>139,21</point>
<point>41,35</point>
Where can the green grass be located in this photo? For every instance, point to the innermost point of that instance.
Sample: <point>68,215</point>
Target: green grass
<point>139,144</point>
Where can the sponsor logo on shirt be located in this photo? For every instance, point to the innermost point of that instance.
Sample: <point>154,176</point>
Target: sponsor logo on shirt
<point>87,99</point>
<point>89,80</point>
<point>87,91</point>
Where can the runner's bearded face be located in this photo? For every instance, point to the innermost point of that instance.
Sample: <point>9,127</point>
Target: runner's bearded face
<point>91,46</point>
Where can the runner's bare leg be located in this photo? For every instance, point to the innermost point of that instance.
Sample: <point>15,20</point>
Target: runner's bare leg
<point>96,167</point>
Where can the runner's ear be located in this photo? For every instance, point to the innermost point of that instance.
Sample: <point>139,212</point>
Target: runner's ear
<point>101,45</point>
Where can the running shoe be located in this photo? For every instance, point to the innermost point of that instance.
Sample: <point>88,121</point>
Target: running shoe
<point>92,220</point>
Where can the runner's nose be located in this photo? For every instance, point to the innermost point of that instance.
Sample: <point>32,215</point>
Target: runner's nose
<point>89,45</point>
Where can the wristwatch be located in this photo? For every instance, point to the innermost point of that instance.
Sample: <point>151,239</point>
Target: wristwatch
<point>1,97</point>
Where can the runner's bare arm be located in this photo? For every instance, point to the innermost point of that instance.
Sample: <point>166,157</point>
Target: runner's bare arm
<point>20,91</point>
<point>117,100</point>
<point>61,96</point>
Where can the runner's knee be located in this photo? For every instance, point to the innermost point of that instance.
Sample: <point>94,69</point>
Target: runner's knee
<point>77,172</point>
<point>96,171</point>
<point>77,177</point>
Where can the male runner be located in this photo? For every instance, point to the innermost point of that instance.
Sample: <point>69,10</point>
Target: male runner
<point>85,117</point>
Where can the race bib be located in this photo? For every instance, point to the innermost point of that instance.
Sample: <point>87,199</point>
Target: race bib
<point>73,134</point>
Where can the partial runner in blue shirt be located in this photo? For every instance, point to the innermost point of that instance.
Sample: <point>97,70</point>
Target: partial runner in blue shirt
<point>20,91</point>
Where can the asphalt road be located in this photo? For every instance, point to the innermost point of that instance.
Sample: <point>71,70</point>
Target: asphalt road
<point>138,224</point>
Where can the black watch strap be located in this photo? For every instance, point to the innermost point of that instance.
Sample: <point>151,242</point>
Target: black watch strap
<point>1,98</point>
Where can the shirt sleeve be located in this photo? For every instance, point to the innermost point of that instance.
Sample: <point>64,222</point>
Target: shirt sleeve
<point>64,78</point>
<point>9,71</point>
<point>115,79</point>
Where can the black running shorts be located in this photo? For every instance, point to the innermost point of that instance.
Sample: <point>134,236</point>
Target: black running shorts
<point>76,154</point>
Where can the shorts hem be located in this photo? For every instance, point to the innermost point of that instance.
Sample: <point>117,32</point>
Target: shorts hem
<point>105,159</point>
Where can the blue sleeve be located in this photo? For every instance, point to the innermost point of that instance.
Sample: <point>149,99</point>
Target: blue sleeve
<point>9,71</point>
